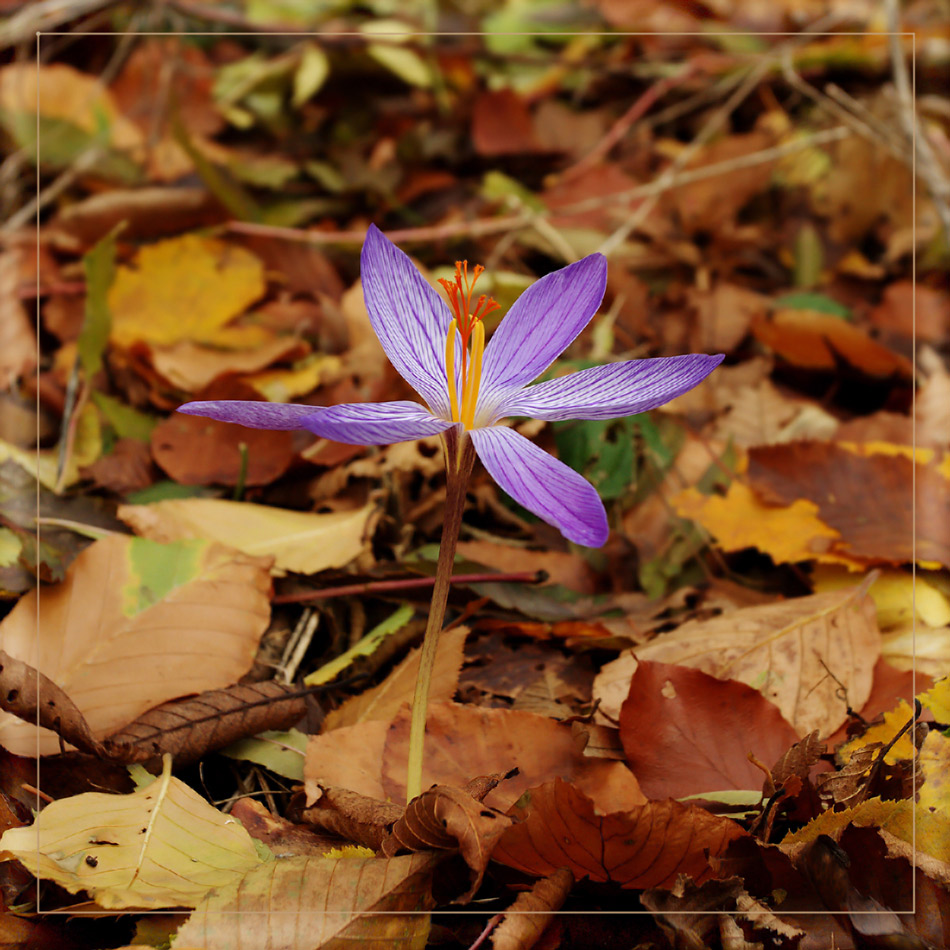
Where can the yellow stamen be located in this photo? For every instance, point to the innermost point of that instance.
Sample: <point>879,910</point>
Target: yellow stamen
<point>450,370</point>
<point>470,392</point>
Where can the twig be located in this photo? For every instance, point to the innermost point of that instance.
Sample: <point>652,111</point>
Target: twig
<point>930,171</point>
<point>44,16</point>
<point>489,927</point>
<point>412,583</point>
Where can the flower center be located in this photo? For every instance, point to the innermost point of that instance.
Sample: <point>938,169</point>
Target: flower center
<point>468,323</point>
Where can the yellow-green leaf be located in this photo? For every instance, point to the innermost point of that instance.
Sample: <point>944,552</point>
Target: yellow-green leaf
<point>161,846</point>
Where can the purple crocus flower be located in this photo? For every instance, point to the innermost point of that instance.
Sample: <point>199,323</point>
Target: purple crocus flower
<point>441,353</point>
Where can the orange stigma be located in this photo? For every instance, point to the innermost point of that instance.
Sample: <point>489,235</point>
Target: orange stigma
<point>468,322</point>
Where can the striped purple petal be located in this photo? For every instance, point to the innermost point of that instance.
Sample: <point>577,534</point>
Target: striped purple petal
<point>617,389</point>
<point>542,484</point>
<point>255,415</point>
<point>378,423</point>
<point>409,317</point>
<point>542,322</point>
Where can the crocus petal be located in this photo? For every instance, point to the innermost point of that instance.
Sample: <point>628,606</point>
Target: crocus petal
<point>255,415</point>
<point>409,317</point>
<point>542,322</point>
<point>378,423</point>
<point>616,389</point>
<point>542,484</point>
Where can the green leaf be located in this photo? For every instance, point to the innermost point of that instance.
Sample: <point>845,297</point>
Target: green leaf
<point>311,74</point>
<point>128,423</point>
<point>601,450</point>
<point>281,752</point>
<point>161,491</point>
<point>820,302</point>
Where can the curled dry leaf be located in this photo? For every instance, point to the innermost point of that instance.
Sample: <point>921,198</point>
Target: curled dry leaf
<point>797,761</point>
<point>191,728</point>
<point>649,845</point>
<point>161,846</point>
<point>135,624</point>
<point>687,913</point>
<point>449,819</point>
<point>785,650</point>
<point>283,837</point>
<point>462,742</point>
<point>526,919</point>
<point>31,696</point>
<point>685,732</point>
<point>308,903</point>
<point>353,816</point>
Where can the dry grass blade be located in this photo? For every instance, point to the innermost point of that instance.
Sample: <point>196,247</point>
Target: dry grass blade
<point>28,694</point>
<point>449,819</point>
<point>191,728</point>
<point>526,918</point>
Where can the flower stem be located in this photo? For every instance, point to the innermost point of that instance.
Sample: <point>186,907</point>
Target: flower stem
<point>459,459</point>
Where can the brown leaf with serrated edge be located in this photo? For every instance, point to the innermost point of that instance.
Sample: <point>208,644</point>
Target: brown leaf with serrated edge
<point>686,732</point>
<point>283,837</point>
<point>526,919</point>
<point>191,728</point>
<point>449,819</point>
<point>29,694</point>
<point>849,785</point>
<point>646,846</point>
<point>359,818</point>
<point>798,760</point>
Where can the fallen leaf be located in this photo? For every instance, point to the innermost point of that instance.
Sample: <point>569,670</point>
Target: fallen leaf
<point>562,567</point>
<point>281,836</point>
<point>308,903</point>
<point>17,337</point>
<point>501,124</point>
<point>161,846</point>
<point>688,914</point>
<point>532,911</point>
<point>686,732</point>
<point>384,701</point>
<point>724,315</point>
<point>189,729</point>
<point>934,760</point>
<point>206,278</point>
<point>462,742</point>
<point>449,819</point>
<point>910,309</point>
<point>134,624</point>
<point>648,845</point>
<point>784,650</point>
<point>300,541</point>
<point>352,816</point>
<point>127,468</point>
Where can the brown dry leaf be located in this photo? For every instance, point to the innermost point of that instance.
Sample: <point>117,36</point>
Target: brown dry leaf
<point>840,481</point>
<point>501,124</point>
<point>778,649</point>
<point>933,411</point>
<point>449,819</point>
<point>383,702</point>
<point>724,315</point>
<point>355,817</point>
<point>648,845</point>
<point>210,281</point>
<point>190,728</point>
<point>532,911</point>
<point>17,337</point>
<point>797,761</point>
<point>190,366</point>
<point>309,903</point>
<point>462,742</point>
<point>127,468</point>
<point>301,541</point>
<point>283,837</point>
<point>907,308</point>
<point>685,732</point>
<point>194,450</point>
<point>29,695</point>
<point>688,914</point>
<point>562,567</point>
<point>814,340</point>
<point>135,624</point>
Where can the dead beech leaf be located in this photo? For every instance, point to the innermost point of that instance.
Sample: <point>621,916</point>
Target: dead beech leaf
<point>685,732</point>
<point>300,541</point>
<point>28,694</point>
<point>352,816</point>
<point>526,919</point>
<point>796,761</point>
<point>688,914</point>
<point>190,728</point>
<point>383,702</point>
<point>161,846</point>
<point>840,481</point>
<point>17,337</point>
<point>562,567</point>
<point>309,903</point>
<point>449,819</point>
<point>283,837</point>
<point>134,624</point>
<point>210,281</point>
<point>501,124</point>
<point>462,742</point>
<point>779,649</point>
<point>648,845</point>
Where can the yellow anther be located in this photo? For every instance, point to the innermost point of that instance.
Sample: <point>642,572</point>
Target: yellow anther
<point>470,390</point>
<point>450,370</point>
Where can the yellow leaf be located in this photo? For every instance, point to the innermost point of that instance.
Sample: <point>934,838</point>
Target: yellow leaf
<point>135,624</point>
<point>894,720</point>
<point>10,547</point>
<point>937,700</point>
<point>935,768</point>
<point>282,385</point>
<point>926,649</point>
<point>740,520</point>
<point>161,846</point>
<point>186,288</point>
<point>300,541</point>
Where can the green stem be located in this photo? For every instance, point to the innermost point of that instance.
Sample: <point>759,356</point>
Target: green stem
<point>459,459</point>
